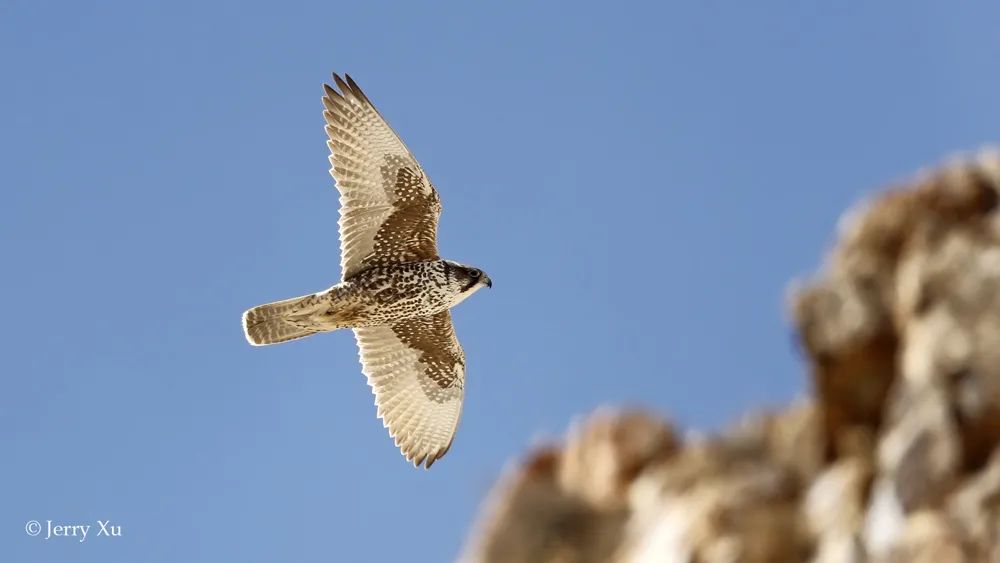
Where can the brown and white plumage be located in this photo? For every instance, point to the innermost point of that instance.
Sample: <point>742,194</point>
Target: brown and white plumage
<point>395,290</point>
<point>416,369</point>
<point>388,208</point>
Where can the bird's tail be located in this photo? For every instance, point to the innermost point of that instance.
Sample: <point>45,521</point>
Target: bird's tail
<point>280,321</point>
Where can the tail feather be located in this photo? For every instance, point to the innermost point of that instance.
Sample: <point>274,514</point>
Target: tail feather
<point>277,322</point>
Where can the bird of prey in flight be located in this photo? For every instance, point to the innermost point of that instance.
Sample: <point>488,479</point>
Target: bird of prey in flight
<point>395,290</point>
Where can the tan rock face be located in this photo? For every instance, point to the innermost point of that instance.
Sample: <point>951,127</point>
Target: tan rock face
<point>834,503</point>
<point>949,308</point>
<point>894,459</point>
<point>603,456</point>
<point>930,537</point>
<point>975,508</point>
<point>531,518</point>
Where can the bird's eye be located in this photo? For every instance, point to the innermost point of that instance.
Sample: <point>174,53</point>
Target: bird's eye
<point>474,274</point>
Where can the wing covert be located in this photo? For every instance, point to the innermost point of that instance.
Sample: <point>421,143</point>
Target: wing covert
<point>416,369</point>
<point>388,207</point>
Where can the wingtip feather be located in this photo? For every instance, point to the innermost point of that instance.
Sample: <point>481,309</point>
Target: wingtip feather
<point>344,88</point>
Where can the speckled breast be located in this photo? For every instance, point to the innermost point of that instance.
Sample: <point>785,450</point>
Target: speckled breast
<point>386,294</point>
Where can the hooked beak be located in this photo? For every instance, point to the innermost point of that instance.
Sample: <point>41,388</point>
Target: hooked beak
<point>489,282</point>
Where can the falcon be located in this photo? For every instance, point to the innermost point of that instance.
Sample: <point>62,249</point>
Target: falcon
<point>395,290</point>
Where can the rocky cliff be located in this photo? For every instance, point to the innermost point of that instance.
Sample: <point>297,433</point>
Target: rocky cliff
<point>891,459</point>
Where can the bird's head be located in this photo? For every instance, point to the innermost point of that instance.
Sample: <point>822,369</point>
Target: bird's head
<point>466,279</point>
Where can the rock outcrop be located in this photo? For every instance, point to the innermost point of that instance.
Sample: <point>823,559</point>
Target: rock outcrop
<point>892,459</point>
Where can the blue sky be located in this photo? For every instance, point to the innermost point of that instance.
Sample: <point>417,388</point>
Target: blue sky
<point>641,181</point>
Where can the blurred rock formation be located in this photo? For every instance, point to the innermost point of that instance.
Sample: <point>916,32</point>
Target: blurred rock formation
<point>893,459</point>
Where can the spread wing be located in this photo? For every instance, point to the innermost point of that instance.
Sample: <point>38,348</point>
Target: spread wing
<point>416,368</point>
<point>388,208</point>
